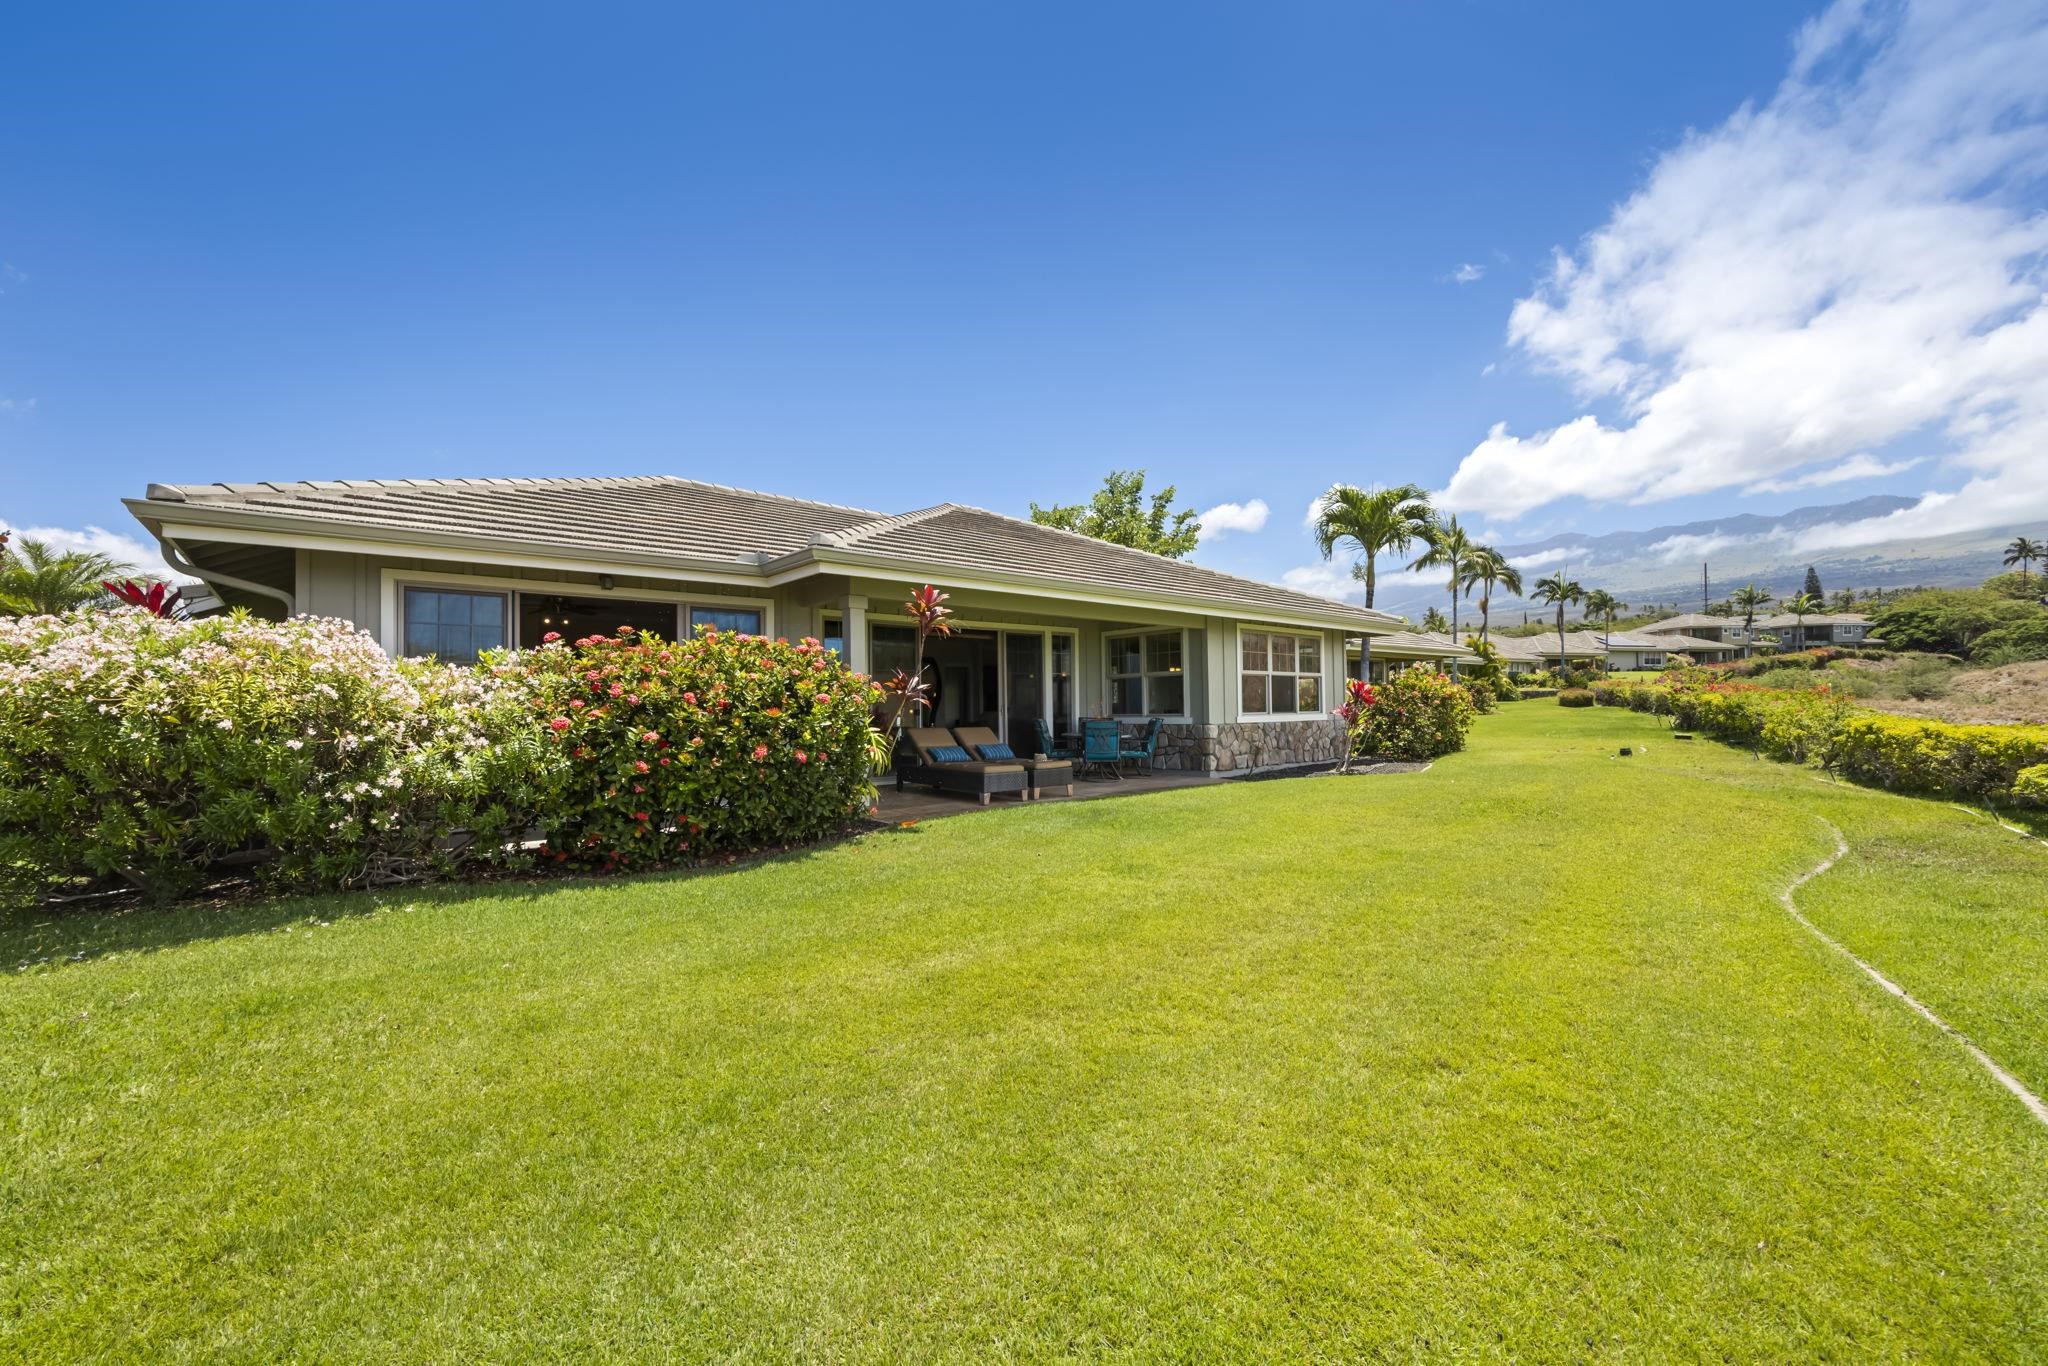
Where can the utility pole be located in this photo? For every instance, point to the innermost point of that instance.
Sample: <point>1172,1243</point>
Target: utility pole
<point>1703,588</point>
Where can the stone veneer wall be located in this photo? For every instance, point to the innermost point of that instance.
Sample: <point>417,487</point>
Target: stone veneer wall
<point>1241,746</point>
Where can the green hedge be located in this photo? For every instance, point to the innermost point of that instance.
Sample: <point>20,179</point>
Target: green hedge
<point>1989,764</point>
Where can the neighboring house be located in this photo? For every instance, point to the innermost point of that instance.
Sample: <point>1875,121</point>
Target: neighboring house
<point>1726,631</point>
<point>1053,626</point>
<point>1642,650</point>
<point>1838,628</point>
<point>1404,650</point>
<point>1518,654</point>
<point>1580,649</point>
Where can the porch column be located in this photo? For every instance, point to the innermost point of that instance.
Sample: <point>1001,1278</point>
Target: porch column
<point>853,621</point>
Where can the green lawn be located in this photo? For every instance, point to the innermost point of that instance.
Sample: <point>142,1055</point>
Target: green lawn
<point>1515,1057</point>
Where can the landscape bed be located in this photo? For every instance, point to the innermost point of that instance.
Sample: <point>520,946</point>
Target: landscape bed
<point>1425,1066</point>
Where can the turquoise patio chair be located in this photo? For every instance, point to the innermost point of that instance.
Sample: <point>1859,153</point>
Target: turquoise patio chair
<point>1147,746</point>
<point>1101,747</point>
<point>1047,747</point>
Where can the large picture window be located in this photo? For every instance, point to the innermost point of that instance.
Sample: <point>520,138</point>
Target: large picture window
<point>732,620</point>
<point>453,625</point>
<point>1146,674</point>
<point>1280,675</point>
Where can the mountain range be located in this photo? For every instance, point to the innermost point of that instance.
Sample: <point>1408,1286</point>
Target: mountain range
<point>1663,564</point>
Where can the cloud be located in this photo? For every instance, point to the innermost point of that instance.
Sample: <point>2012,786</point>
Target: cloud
<point>1855,467</point>
<point>1332,579</point>
<point>1466,273</point>
<point>1860,259</point>
<point>1544,559</point>
<point>1225,518</point>
<point>147,559</point>
<point>17,405</point>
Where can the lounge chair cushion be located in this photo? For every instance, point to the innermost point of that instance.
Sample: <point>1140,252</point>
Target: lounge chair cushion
<point>995,751</point>
<point>949,754</point>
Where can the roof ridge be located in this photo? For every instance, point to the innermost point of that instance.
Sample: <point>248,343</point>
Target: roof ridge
<point>847,536</point>
<point>1165,559</point>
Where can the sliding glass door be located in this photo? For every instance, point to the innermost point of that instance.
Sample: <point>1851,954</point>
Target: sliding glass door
<point>1023,688</point>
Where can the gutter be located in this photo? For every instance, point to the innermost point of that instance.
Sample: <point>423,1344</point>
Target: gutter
<point>175,557</point>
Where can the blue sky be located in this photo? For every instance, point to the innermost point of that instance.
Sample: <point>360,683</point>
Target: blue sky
<point>888,256</point>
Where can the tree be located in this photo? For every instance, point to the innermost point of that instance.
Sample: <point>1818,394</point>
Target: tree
<point>1559,588</point>
<point>1802,607</point>
<point>1490,567</point>
<point>1434,620</point>
<point>1948,620</point>
<point>2023,552</point>
<point>1748,600</point>
<point>1374,522</point>
<point>1844,600</point>
<point>1449,549</point>
<point>1118,514</point>
<point>1603,604</point>
<point>1812,587</point>
<point>36,580</point>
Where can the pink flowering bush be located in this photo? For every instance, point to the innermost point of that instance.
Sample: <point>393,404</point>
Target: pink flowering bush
<point>672,751</point>
<point>1416,714</point>
<point>141,750</point>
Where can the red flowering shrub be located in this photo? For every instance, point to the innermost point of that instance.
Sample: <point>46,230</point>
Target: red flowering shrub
<point>677,750</point>
<point>1416,714</point>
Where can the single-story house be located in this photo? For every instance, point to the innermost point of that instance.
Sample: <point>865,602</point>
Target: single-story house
<point>1643,650</point>
<point>1580,649</point>
<point>1849,629</point>
<point>1518,654</point>
<point>1052,626</point>
<point>1404,650</point>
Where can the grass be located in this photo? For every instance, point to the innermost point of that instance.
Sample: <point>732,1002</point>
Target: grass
<point>1515,1057</point>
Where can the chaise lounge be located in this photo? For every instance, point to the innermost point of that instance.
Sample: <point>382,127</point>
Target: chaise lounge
<point>932,757</point>
<point>1046,774</point>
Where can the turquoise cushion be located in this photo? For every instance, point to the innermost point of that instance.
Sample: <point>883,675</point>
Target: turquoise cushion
<point>996,751</point>
<point>948,754</point>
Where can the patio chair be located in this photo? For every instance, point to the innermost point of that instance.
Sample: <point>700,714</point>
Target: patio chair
<point>1145,749</point>
<point>1046,745</point>
<point>1101,748</point>
<point>1046,773</point>
<point>936,758</point>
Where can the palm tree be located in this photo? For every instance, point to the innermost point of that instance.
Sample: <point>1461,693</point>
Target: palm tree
<point>1490,567</point>
<point>2023,552</point>
<point>1375,522</point>
<point>1433,620</point>
<point>1748,599</point>
<point>1560,589</point>
<point>1449,548</point>
<point>1800,607</point>
<point>37,580</point>
<point>1601,603</point>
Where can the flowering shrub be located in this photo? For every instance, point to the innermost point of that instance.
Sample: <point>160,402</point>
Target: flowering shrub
<point>147,750</point>
<point>1416,714</point>
<point>676,750</point>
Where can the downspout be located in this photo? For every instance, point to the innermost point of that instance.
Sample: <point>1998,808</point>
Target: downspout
<point>175,558</point>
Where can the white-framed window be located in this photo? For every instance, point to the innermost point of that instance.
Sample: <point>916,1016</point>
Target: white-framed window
<point>1147,673</point>
<point>455,625</point>
<point>728,620</point>
<point>1279,674</point>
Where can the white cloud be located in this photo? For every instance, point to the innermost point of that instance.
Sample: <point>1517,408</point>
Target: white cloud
<point>98,540</point>
<point>1466,273</point>
<point>1332,579</point>
<point>1544,559</point>
<point>1228,517</point>
<point>17,405</point>
<point>1855,467</point>
<point>1861,258</point>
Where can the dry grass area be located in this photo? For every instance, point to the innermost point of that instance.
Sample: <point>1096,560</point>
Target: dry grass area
<point>2014,694</point>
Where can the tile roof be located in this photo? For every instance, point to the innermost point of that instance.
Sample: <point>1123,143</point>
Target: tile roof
<point>1694,621</point>
<point>1419,645</point>
<point>691,520</point>
<point>1786,619</point>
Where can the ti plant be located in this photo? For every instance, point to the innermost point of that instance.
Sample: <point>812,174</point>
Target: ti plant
<point>911,690</point>
<point>158,599</point>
